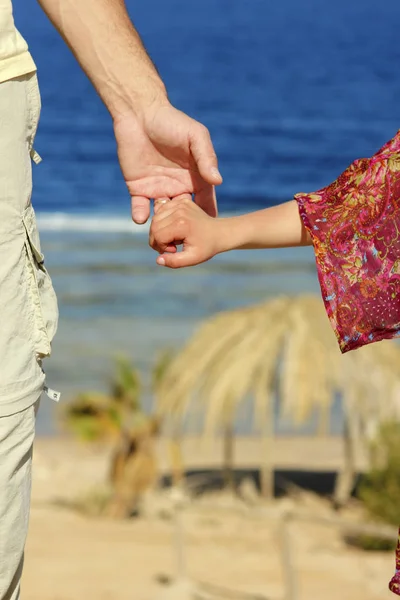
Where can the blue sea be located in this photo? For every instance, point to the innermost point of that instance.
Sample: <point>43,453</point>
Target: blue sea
<point>292,93</point>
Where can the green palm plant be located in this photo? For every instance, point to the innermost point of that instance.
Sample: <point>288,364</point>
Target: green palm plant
<point>118,417</point>
<point>161,366</point>
<point>284,347</point>
<point>93,416</point>
<point>125,386</point>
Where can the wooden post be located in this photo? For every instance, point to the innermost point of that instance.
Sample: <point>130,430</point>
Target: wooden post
<point>175,449</point>
<point>267,471</point>
<point>288,568</point>
<point>345,477</point>
<point>229,479</point>
<point>179,541</point>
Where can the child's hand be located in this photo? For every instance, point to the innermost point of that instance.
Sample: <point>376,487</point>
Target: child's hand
<point>180,221</point>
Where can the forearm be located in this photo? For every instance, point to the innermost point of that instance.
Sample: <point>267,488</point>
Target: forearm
<point>276,227</point>
<point>107,46</point>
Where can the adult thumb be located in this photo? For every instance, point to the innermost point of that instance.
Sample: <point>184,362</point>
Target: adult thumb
<point>204,155</point>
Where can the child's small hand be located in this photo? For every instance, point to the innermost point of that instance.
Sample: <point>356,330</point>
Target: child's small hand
<point>180,221</point>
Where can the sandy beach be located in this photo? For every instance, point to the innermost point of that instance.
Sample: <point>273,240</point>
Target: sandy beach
<point>232,548</point>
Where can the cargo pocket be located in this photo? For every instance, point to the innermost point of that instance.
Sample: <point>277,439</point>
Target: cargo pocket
<point>43,298</point>
<point>34,108</point>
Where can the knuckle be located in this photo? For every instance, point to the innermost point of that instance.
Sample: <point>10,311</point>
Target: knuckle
<point>204,131</point>
<point>182,221</point>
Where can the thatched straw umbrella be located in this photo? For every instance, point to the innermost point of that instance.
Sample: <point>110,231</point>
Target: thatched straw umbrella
<point>285,347</point>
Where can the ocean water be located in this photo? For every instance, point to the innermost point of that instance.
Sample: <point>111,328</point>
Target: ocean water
<point>292,93</point>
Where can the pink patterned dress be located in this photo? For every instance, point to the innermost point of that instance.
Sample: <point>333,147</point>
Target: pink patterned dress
<point>355,227</point>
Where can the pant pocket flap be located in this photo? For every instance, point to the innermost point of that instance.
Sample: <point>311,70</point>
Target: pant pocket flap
<point>29,219</point>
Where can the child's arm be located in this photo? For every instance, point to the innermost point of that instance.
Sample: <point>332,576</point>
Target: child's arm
<point>276,227</point>
<point>182,222</point>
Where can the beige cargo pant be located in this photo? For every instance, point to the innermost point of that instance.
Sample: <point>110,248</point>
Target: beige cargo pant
<point>28,321</point>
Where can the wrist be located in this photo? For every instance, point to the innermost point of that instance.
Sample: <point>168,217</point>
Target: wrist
<point>231,234</point>
<point>139,103</point>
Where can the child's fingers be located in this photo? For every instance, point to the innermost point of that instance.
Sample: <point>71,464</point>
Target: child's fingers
<point>159,203</point>
<point>164,212</point>
<point>168,234</point>
<point>186,258</point>
<point>172,248</point>
<point>164,207</point>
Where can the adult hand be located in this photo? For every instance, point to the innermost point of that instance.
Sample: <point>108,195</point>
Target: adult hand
<point>164,154</point>
<point>162,151</point>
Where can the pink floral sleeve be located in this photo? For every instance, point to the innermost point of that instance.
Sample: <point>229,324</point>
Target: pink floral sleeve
<point>394,585</point>
<point>355,224</point>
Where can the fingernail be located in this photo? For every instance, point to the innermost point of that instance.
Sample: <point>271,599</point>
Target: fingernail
<point>216,173</point>
<point>161,261</point>
<point>138,216</point>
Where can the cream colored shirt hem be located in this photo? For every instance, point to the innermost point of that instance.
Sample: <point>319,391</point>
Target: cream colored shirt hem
<point>15,66</point>
<point>24,394</point>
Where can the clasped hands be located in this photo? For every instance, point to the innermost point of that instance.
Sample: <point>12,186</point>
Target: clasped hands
<point>181,222</point>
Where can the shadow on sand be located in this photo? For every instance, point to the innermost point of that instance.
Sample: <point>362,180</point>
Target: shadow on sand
<point>208,480</point>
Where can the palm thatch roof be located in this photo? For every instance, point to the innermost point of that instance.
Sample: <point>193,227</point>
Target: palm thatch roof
<point>285,344</point>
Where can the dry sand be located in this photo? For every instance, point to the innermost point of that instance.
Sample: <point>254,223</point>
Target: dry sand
<point>228,545</point>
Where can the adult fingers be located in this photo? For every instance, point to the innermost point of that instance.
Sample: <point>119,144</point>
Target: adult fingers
<point>140,209</point>
<point>204,154</point>
<point>207,200</point>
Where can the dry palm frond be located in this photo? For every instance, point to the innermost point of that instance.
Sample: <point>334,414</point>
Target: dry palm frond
<point>162,364</point>
<point>134,467</point>
<point>179,382</point>
<point>235,354</point>
<point>308,366</point>
<point>231,378</point>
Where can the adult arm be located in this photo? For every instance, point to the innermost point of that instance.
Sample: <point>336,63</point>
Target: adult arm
<point>162,151</point>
